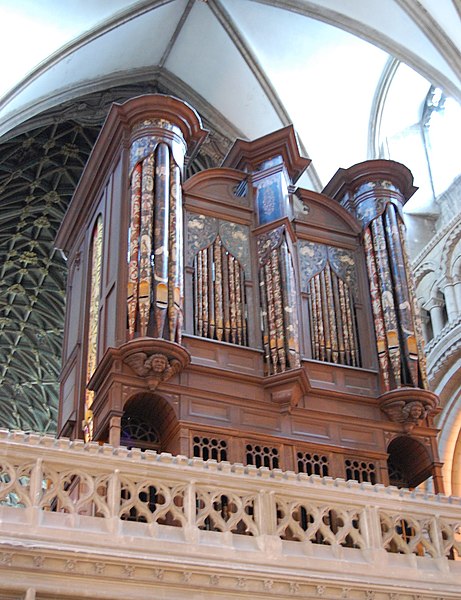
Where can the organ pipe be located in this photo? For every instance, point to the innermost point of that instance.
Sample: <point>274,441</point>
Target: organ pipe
<point>219,295</point>
<point>155,255</point>
<point>332,319</point>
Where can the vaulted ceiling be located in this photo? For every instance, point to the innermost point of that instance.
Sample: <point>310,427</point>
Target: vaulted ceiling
<point>248,66</point>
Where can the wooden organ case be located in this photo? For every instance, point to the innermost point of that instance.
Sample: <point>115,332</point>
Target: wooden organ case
<point>233,317</point>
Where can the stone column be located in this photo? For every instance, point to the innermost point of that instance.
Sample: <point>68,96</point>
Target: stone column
<point>435,308</point>
<point>457,290</point>
<point>451,304</point>
<point>426,325</point>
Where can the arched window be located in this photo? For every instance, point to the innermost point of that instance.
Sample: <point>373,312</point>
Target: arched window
<point>441,122</point>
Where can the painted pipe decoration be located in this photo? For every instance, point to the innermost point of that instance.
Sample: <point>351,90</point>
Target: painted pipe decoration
<point>332,319</point>
<point>95,262</point>
<point>378,206</point>
<point>220,311</point>
<point>155,263</point>
<point>328,276</point>
<point>278,302</point>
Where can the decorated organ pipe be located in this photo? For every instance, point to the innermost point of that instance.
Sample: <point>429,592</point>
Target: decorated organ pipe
<point>155,264</point>
<point>220,310</point>
<point>375,192</point>
<point>273,164</point>
<point>93,324</point>
<point>329,279</point>
<point>278,302</point>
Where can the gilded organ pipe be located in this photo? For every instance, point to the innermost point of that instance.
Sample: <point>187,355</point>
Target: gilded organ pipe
<point>328,276</point>
<point>155,255</point>
<point>219,295</point>
<point>218,290</point>
<point>278,303</point>
<point>387,298</point>
<point>161,238</point>
<point>375,192</point>
<point>145,253</point>
<point>133,267</point>
<point>378,317</point>
<point>278,313</point>
<point>176,267</point>
<point>422,381</point>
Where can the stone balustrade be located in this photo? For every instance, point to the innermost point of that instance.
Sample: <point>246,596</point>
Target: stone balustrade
<point>154,511</point>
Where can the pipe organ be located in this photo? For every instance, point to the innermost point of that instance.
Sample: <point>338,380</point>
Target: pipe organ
<point>234,310</point>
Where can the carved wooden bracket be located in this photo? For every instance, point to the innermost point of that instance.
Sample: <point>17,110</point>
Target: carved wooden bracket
<point>286,389</point>
<point>155,359</point>
<point>409,406</point>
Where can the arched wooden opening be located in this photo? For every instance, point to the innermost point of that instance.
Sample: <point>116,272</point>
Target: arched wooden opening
<point>409,462</point>
<point>150,423</point>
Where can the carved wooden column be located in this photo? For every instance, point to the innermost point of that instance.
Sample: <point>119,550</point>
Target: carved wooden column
<point>128,315</point>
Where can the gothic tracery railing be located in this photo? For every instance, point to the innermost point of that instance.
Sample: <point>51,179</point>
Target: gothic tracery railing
<point>57,476</point>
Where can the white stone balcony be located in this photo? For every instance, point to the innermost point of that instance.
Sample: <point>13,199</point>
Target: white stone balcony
<point>92,521</point>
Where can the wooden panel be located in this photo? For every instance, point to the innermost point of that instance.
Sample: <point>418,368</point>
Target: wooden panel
<point>242,361</point>
<point>340,378</point>
<point>220,385</point>
<point>74,306</point>
<point>110,308</point>
<point>359,436</point>
<point>113,224</point>
<point>361,383</point>
<point>310,430</point>
<point>224,356</point>
<point>203,353</point>
<point>68,392</point>
<point>208,410</point>
<point>258,420</point>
